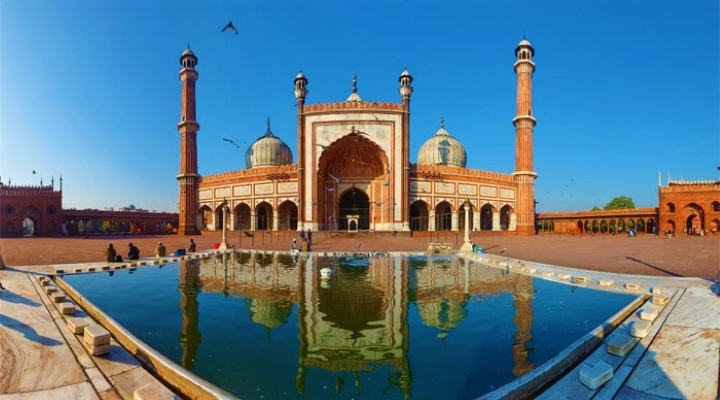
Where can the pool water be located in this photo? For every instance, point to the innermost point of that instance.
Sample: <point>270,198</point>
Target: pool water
<point>269,326</point>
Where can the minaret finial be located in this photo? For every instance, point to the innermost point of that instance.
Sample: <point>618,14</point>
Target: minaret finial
<point>442,122</point>
<point>354,89</point>
<point>268,123</point>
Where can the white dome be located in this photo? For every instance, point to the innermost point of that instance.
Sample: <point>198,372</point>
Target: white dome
<point>442,149</point>
<point>269,150</point>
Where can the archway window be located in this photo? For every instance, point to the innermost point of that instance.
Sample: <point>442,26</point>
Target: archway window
<point>486,218</point>
<point>505,218</point>
<point>51,210</point>
<point>443,217</point>
<point>716,206</point>
<point>418,216</point>
<point>671,207</point>
<point>9,209</point>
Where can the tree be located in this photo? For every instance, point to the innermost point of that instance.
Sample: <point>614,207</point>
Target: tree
<point>596,208</point>
<point>620,203</point>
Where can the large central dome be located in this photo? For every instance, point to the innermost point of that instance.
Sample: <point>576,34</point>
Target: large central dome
<point>442,149</point>
<point>269,150</point>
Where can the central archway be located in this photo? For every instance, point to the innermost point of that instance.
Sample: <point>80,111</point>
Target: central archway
<point>354,202</point>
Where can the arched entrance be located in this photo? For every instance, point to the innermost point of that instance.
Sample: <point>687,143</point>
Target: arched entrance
<point>241,213</point>
<point>353,172</point>
<point>486,218</point>
<point>419,216</point>
<point>287,216</point>
<point>263,217</point>
<point>443,217</point>
<point>29,227</point>
<point>354,202</point>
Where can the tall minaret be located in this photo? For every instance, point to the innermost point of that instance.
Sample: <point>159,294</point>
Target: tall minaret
<point>300,93</point>
<point>524,123</point>
<point>406,90</point>
<point>188,128</point>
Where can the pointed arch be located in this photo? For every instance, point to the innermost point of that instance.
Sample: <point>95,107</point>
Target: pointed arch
<point>419,214</point>
<point>287,216</point>
<point>263,216</point>
<point>443,216</point>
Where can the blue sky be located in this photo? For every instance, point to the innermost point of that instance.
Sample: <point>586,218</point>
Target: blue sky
<point>622,90</point>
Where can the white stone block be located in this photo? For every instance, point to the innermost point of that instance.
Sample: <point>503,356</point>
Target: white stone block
<point>595,376</point>
<point>77,325</point>
<point>640,328</point>
<point>66,308</point>
<point>96,335</point>
<point>656,290</point>
<point>649,313</point>
<point>581,279</point>
<point>605,282</point>
<point>57,297</point>
<point>632,286</point>
<point>97,350</point>
<point>660,300</point>
<point>531,270</point>
<point>621,344</point>
<point>548,274</point>
<point>564,277</point>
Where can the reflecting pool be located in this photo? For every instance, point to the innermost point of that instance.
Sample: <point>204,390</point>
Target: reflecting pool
<point>269,326</point>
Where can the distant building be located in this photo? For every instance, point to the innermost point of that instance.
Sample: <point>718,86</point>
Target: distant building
<point>353,170</point>
<point>37,211</point>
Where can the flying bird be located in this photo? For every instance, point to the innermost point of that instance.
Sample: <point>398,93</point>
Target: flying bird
<point>323,146</point>
<point>503,250</point>
<point>336,179</point>
<point>229,26</point>
<point>34,172</point>
<point>231,141</point>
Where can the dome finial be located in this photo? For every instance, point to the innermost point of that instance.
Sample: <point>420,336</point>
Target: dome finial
<point>442,122</point>
<point>354,89</point>
<point>268,123</point>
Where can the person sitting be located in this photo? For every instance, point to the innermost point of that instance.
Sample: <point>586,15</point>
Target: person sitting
<point>133,253</point>
<point>160,250</point>
<point>118,258</point>
<point>110,253</point>
<point>192,246</point>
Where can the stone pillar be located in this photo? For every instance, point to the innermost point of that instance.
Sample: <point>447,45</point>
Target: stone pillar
<point>496,220</point>
<point>476,220</point>
<point>431,220</point>
<point>454,225</point>
<point>253,221</point>
<point>276,219</point>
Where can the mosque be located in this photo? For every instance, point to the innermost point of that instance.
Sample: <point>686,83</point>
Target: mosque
<point>353,170</point>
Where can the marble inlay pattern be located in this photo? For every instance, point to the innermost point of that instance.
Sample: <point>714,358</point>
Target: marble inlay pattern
<point>682,363</point>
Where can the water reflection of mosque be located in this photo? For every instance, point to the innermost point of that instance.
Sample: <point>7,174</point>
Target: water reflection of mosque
<point>359,320</point>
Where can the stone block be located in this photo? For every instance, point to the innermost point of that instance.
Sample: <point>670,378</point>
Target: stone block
<point>621,344</point>
<point>66,308</point>
<point>531,270</point>
<point>649,313</point>
<point>632,286</point>
<point>640,328</point>
<point>548,274</point>
<point>91,269</point>
<point>581,279</point>
<point>605,282</point>
<point>77,270</point>
<point>97,350</point>
<point>77,325</point>
<point>660,299</point>
<point>564,277</point>
<point>57,297</point>
<point>96,335</point>
<point>656,290</point>
<point>106,268</point>
<point>596,375</point>
<point>41,278</point>
<point>50,289</point>
<point>45,282</point>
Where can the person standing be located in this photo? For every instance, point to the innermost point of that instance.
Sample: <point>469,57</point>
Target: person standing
<point>110,253</point>
<point>309,237</point>
<point>192,246</point>
<point>133,252</point>
<point>293,246</point>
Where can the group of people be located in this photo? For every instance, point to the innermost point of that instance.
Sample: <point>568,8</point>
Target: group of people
<point>305,242</point>
<point>134,253</point>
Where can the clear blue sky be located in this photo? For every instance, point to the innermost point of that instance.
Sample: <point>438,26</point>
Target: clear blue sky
<point>623,90</point>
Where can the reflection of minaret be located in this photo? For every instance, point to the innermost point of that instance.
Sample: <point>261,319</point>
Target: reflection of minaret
<point>189,288</point>
<point>522,299</point>
<point>524,123</point>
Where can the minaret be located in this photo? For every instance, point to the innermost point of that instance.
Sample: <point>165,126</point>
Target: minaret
<point>300,93</point>
<point>406,90</point>
<point>188,128</point>
<point>524,123</point>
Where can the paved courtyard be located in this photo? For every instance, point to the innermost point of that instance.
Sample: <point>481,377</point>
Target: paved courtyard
<point>680,256</point>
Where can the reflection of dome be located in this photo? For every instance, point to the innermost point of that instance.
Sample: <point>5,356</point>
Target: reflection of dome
<point>268,150</point>
<point>442,149</point>
<point>269,313</point>
<point>443,314</point>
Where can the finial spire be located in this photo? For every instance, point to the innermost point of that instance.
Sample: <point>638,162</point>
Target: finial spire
<point>442,122</point>
<point>268,123</point>
<point>354,89</point>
